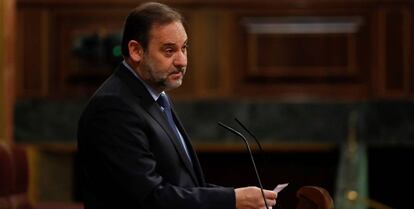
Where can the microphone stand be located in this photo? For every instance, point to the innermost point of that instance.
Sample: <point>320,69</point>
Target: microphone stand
<point>251,157</point>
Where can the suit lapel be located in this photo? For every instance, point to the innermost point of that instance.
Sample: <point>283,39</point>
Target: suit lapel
<point>148,103</point>
<point>159,116</point>
<point>195,163</point>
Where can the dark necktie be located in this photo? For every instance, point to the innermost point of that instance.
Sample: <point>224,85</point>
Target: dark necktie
<point>163,101</point>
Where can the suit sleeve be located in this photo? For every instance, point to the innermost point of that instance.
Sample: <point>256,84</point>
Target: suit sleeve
<point>117,150</point>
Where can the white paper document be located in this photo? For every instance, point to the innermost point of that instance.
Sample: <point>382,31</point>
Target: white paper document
<point>279,187</point>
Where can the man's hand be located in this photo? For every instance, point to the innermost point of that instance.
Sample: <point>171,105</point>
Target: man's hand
<point>251,198</point>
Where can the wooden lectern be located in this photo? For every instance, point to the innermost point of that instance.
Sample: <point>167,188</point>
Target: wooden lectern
<point>314,197</point>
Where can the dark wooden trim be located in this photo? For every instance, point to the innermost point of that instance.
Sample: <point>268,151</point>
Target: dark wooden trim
<point>232,4</point>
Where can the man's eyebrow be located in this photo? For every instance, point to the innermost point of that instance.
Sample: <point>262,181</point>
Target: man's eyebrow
<point>168,44</point>
<point>172,44</point>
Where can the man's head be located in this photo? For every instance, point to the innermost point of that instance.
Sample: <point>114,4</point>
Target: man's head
<point>155,45</point>
<point>140,21</point>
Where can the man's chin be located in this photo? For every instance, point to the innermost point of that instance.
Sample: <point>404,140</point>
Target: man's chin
<point>173,85</point>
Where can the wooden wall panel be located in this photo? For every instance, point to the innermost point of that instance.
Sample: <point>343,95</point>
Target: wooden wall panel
<point>85,47</point>
<point>210,61</point>
<point>395,49</point>
<point>314,49</point>
<point>304,54</point>
<point>33,52</point>
<point>307,47</point>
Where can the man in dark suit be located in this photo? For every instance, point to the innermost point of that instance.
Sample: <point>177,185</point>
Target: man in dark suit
<point>133,150</point>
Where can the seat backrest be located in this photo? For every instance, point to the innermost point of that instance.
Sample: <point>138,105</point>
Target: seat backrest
<point>314,197</point>
<point>20,187</point>
<point>6,176</point>
<point>14,177</point>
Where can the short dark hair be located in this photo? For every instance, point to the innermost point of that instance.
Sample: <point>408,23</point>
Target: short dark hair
<point>140,20</point>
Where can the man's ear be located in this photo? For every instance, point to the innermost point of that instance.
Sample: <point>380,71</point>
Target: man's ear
<point>136,52</point>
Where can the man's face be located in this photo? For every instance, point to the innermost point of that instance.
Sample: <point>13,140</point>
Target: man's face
<point>164,63</point>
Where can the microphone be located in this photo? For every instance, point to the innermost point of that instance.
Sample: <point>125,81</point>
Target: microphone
<point>251,157</point>
<point>262,154</point>
<point>250,133</point>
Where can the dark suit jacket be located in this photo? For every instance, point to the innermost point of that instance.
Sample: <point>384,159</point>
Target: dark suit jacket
<point>130,157</point>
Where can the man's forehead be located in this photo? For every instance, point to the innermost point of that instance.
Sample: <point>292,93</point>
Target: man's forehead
<point>169,33</point>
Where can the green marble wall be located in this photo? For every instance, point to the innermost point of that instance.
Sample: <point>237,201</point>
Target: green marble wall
<point>379,122</point>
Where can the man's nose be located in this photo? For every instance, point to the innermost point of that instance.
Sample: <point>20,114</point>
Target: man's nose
<point>180,59</point>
